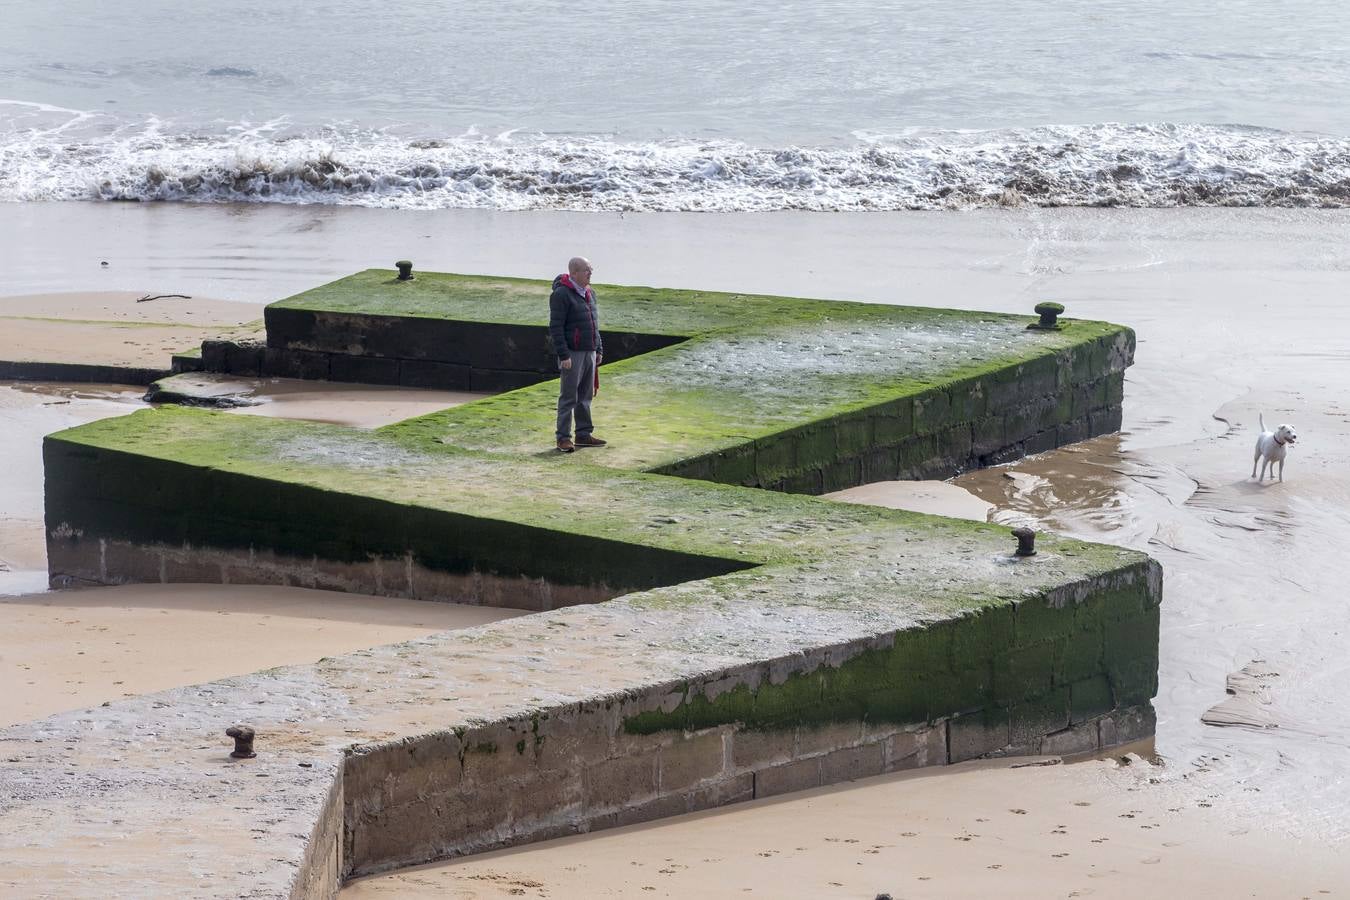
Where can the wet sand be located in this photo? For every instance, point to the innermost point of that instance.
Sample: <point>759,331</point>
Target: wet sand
<point>110,328</point>
<point>357,405</point>
<point>1238,312</point>
<point>71,649</point>
<point>938,498</point>
<point>973,830</point>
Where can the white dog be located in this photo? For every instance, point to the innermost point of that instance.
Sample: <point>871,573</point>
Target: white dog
<point>1271,448</point>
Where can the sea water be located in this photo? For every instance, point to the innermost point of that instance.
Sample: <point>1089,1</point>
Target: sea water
<point>696,105</point>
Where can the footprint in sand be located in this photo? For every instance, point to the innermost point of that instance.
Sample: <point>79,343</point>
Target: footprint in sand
<point>1151,860</point>
<point>1081,803</point>
<point>1018,812</point>
<point>1059,855</point>
<point>909,834</point>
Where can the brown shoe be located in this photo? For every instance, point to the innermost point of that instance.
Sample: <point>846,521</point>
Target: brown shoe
<point>589,441</point>
<point>565,445</point>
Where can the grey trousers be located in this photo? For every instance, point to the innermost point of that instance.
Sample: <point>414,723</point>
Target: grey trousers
<point>576,388</point>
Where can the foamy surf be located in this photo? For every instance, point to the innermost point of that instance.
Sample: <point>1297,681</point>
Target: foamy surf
<point>42,157</point>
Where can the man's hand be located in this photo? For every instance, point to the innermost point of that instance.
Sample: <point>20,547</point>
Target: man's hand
<point>565,363</point>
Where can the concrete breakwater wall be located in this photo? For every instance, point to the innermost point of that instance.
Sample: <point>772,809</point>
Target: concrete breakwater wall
<point>1025,680</point>
<point>574,720</point>
<point>699,640</point>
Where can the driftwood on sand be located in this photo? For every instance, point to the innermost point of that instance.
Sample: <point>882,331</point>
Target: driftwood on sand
<point>162,297</point>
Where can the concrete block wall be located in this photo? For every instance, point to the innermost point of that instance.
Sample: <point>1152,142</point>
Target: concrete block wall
<point>1061,674</point>
<point>407,351</point>
<point>971,423</point>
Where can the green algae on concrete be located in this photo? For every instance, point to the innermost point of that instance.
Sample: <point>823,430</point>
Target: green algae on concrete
<point>798,633</point>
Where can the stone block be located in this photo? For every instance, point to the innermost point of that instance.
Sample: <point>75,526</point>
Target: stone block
<point>880,464</point>
<point>816,445</point>
<point>815,739</point>
<point>1088,396</point>
<point>793,776</point>
<point>760,749</point>
<point>969,400</point>
<point>1081,738</point>
<point>932,412</point>
<point>1104,421</point>
<point>306,364</point>
<point>1041,442</point>
<point>1082,657</point>
<point>243,358</point>
<point>498,380</point>
<point>499,751</point>
<point>214,354</point>
<point>287,326</point>
<point>1024,672</point>
<point>979,636</point>
<point>1125,726</point>
<point>620,782</point>
<point>806,482</point>
<point>544,797</point>
<point>892,422</point>
<point>1072,432</point>
<point>424,373</point>
<point>245,573</point>
<point>954,443</point>
<point>363,369</point>
<point>126,563</point>
<point>659,808</point>
<point>978,734</point>
<point>193,568</point>
<point>853,435</point>
<point>916,749</point>
<point>774,457</point>
<point>842,474</point>
<point>1089,698</point>
<point>423,768</point>
<point>988,435</point>
<point>852,763</point>
<point>735,789</point>
<point>692,759</point>
<point>1039,619</point>
<point>1031,720</point>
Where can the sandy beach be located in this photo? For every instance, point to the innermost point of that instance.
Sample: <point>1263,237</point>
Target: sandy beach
<point>1238,313</point>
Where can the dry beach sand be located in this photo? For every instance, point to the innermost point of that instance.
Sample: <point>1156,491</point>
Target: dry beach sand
<point>111,328</point>
<point>1238,312</point>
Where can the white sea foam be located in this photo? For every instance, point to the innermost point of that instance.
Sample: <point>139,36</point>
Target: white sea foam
<point>48,153</point>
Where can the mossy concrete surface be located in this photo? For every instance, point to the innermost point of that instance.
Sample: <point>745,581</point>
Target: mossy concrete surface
<point>765,640</point>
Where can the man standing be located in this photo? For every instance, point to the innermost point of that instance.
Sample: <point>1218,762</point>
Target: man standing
<point>574,325</point>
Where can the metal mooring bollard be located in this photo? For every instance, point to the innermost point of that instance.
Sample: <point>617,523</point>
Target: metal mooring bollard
<point>1026,541</point>
<point>243,741</point>
<point>404,270</point>
<point>1049,311</point>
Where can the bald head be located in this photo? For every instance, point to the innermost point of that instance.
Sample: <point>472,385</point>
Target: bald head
<point>579,267</point>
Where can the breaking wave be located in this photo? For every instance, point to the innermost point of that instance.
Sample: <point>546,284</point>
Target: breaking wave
<point>1100,165</point>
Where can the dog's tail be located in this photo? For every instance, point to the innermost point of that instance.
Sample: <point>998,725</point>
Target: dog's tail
<point>1262,419</point>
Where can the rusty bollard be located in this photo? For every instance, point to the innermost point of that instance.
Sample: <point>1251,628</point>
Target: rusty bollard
<point>404,270</point>
<point>243,741</point>
<point>1026,541</point>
